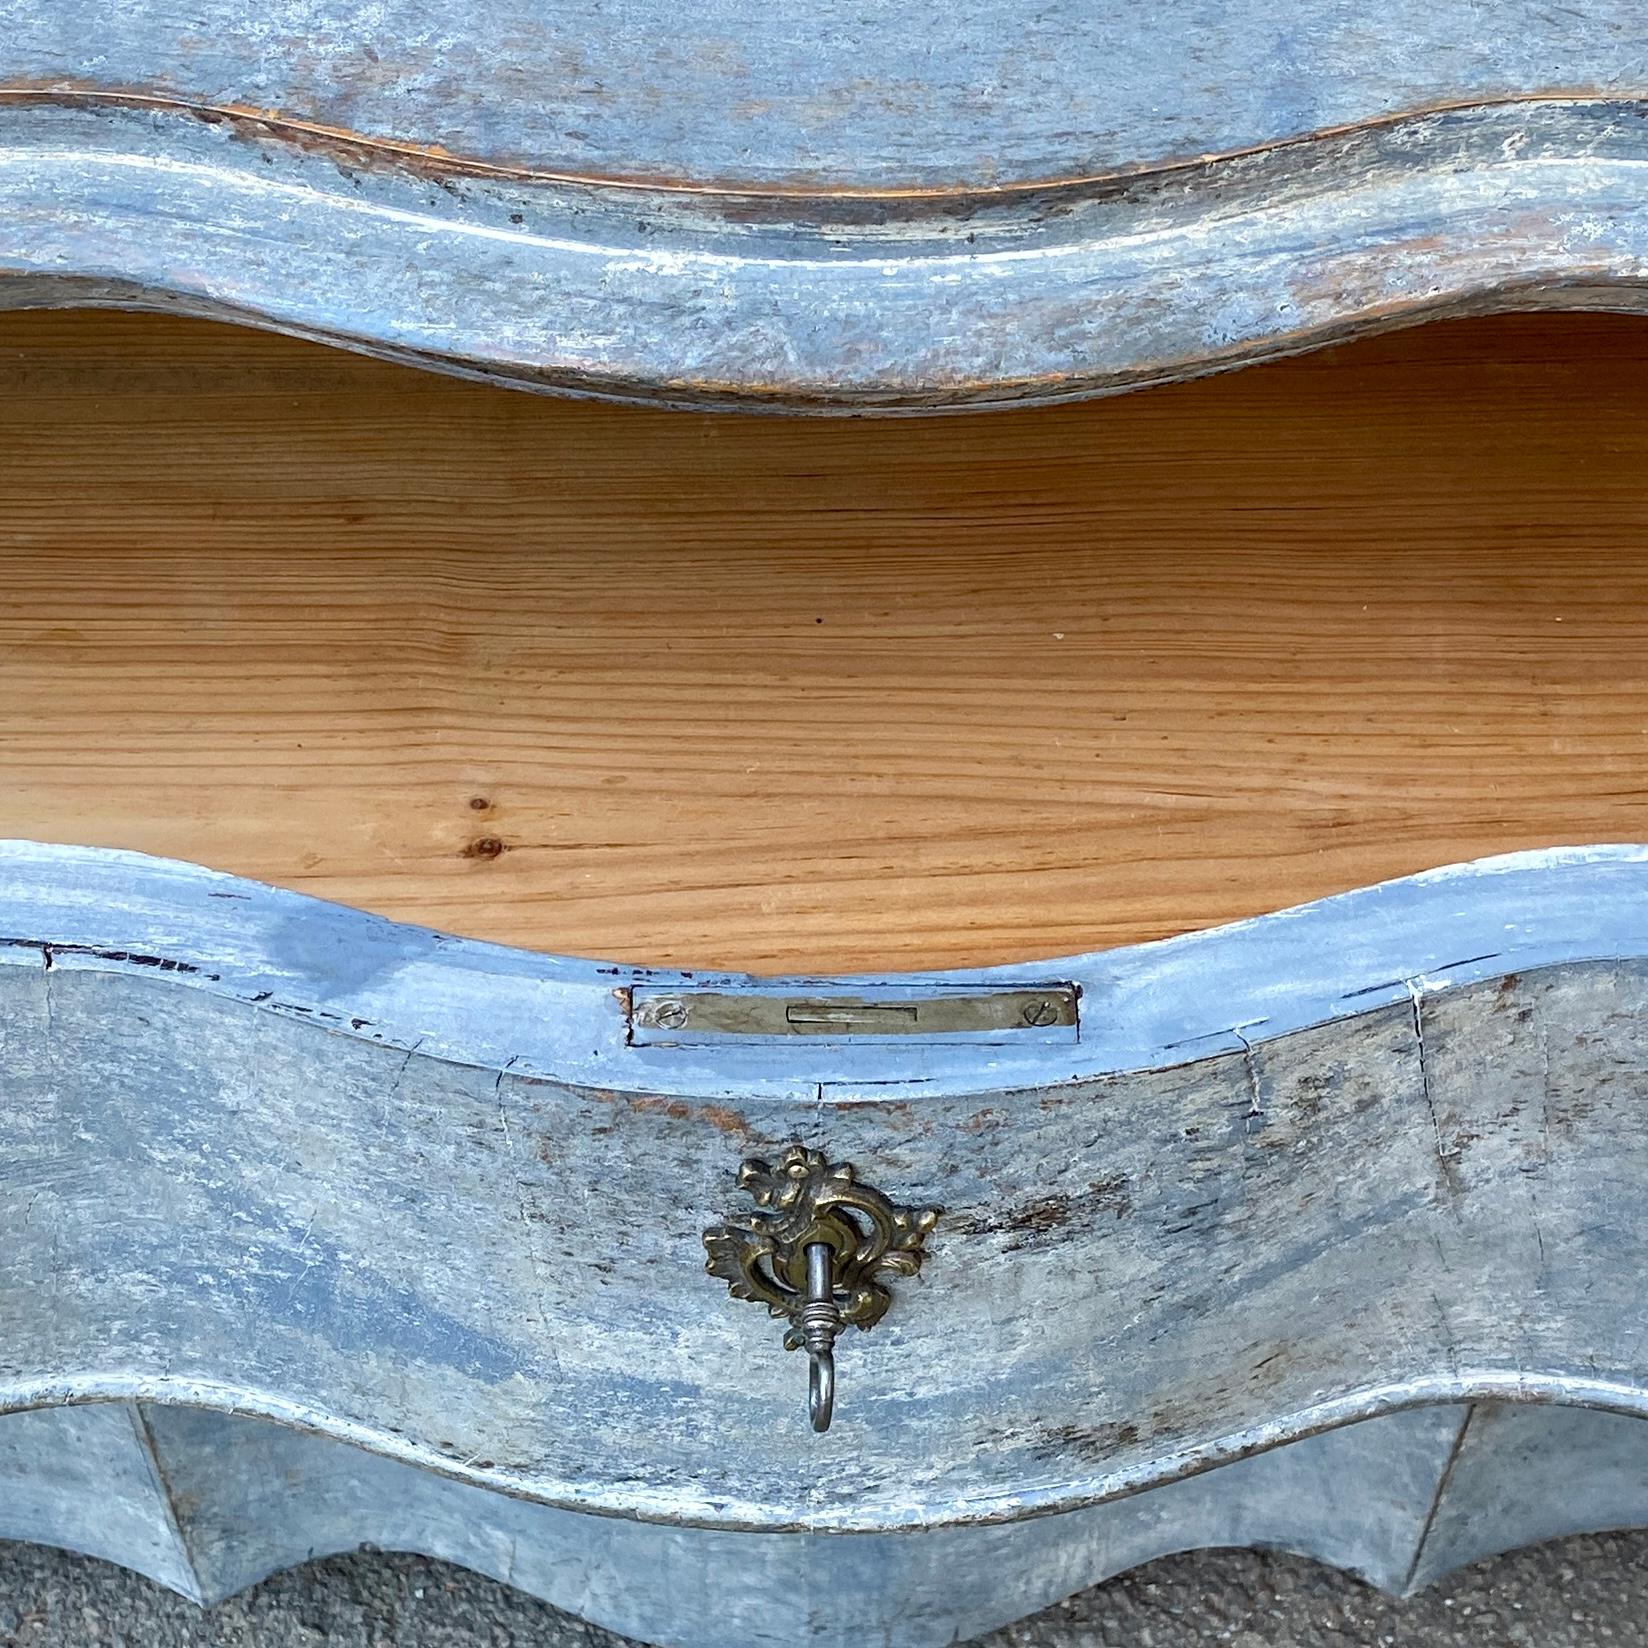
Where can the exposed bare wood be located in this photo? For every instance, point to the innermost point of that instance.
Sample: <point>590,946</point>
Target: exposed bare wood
<point>798,696</point>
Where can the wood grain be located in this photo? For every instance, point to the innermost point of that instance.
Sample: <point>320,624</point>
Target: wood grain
<point>836,695</point>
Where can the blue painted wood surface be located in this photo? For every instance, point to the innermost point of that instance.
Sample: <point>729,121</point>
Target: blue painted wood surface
<point>923,206</point>
<point>293,1166</point>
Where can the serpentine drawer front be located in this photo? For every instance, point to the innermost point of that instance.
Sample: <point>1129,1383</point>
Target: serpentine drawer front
<point>821,1028</point>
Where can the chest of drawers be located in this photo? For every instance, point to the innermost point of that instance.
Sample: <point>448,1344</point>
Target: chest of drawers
<point>1102,892</point>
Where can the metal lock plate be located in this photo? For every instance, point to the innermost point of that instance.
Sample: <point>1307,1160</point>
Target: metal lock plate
<point>660,1016</point>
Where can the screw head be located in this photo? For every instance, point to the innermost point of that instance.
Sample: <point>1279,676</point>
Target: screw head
<point>1039,1014</point>
<point>668,1014</point>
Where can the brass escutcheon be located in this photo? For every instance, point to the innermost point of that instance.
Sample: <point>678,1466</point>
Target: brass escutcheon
<point>814,1256</point>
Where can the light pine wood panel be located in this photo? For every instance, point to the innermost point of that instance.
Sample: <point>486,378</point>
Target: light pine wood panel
<point>822,694</point>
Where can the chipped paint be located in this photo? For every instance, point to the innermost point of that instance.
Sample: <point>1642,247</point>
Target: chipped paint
<point>291,1166</point>
<point>837,303</point>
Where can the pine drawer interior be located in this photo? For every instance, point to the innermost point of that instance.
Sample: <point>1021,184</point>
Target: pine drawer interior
<point>822,694</point>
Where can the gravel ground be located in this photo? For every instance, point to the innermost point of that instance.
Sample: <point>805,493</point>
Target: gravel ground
<point>1575,1594</point>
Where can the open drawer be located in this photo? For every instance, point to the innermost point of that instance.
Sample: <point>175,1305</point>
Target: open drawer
<point>454,829</point>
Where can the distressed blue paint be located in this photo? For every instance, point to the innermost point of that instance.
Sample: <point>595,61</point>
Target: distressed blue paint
<point>821,305</point>
<point>965,94</point>
<point>1355,1160</point>
<point>557,1019</point>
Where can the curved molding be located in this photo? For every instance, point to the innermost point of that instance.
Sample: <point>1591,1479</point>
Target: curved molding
<point>431,1207</point>
<point>559,1019</point>
<point>209,1505</point>
<point>932,98</point>
<point>957,295</point>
